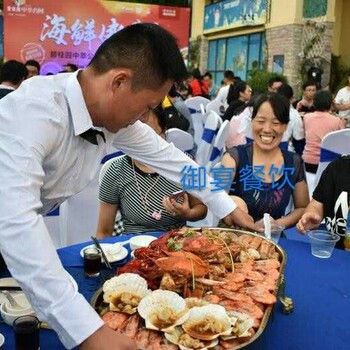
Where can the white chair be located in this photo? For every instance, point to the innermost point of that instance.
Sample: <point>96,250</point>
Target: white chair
<point>333,145</point>
<point>216,106</point>
<point>210,130</point>
<point>219,144</point>
<point>181,139</point>
<point>197,106</point>
<point>79,213</point>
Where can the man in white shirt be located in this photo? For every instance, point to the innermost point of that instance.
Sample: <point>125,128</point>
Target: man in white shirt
<point>50,149</point>
<point>342,101</point>
<point>221,97</point>
<point>294,136</point>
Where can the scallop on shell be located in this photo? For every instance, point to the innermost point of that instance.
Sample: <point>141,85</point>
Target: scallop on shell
<point>124,292</point>
<point>193,302</point>
<point>241,323</point>
<point>207,322</point>
<point>163,310</point>
<point>185,342</point>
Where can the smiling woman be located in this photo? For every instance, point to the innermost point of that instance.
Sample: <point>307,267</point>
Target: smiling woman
<point>264,175</point>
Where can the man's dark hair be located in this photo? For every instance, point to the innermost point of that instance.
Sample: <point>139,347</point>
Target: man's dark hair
<point>309,83</point>
<point>280,106</point>
<point>33,63</point>
<point>228,74</point>
<point>323,100</point>
<point>275,80</point>
<point>150,51</point>
<point>13,71</point>
<point>72,66</point>
<point>286,90</point>
<point>209,75</point>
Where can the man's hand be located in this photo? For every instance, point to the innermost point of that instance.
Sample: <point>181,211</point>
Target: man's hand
<point>308,221</point>
<point>107,339</point>
<point>239,218</point>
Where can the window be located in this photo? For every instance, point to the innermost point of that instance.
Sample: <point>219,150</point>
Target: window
<point>239,53</point>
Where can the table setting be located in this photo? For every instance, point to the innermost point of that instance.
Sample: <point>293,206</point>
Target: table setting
<point>318,287</point>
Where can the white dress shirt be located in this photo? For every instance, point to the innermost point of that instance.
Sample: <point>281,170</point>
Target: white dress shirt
<point>43,161</point>
<point>222,96</point>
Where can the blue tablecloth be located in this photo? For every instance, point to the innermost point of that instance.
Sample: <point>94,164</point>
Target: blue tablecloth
<point>320,289</point>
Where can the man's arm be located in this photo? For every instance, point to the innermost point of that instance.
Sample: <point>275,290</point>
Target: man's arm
<point>142,143</point>
<point>28,250</point>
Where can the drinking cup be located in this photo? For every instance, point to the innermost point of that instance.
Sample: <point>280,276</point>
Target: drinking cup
<point>322,243</point>
<point>92,262</point>
<point>276,231</point>
<point>26,331</point>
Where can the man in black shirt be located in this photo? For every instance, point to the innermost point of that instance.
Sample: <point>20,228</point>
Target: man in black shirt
<point>330,200</point>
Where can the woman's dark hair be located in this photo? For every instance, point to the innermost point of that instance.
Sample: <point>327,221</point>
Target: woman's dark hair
<point>148,50</point>
<point>280,106</point>
<point>323,100</point>
<point>161,116</point>
<point>234,91</point>
<point>286,91</point>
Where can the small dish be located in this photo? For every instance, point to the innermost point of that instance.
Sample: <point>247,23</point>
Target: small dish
<point>8,282</point>
<point>140,241</point>
<point>108,248</point>
<point>10,317</point>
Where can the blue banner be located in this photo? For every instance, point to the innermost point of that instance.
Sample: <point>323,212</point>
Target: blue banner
<point>234,13</point>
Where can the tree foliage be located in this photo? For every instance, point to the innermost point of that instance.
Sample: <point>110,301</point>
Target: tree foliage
<point>259,79</point>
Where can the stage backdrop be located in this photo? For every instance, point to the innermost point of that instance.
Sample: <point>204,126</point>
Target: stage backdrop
<point>56,32</point>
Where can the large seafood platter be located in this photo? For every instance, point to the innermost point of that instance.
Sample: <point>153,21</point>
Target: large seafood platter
<point>195,289</point>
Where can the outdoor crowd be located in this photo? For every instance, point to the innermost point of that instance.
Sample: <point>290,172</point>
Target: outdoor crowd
<point>54,131</point>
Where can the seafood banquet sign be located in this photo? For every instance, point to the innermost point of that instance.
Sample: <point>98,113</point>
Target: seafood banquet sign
<point>57,32</point>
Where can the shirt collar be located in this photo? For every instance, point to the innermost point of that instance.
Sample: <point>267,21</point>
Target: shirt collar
<point>79,112</point>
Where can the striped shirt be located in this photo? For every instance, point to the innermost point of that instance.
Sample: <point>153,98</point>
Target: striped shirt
<point>119,187</point>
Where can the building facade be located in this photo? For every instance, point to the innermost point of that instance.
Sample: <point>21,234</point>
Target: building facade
<point>284,36</point>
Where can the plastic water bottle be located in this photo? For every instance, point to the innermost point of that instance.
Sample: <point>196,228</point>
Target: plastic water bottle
<point>347,234</point>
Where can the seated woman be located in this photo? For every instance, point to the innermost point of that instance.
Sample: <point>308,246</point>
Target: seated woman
<point>238,96</point>
<point>330,200</point>
<point>264,175</point>
<point>142,196</point>
<point>317,125</point>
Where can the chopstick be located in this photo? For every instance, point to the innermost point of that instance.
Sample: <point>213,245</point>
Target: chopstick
<point>10,288</point>
<point>98,245</point>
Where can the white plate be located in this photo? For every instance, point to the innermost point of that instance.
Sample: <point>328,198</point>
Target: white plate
<point>122,254</point>
<point>2,340</point>
<point>8,282</point>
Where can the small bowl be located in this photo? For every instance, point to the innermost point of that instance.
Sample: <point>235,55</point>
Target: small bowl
<point>141,241</point>
<point>9,314</point>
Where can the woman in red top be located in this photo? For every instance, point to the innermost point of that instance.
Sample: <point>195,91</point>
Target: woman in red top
<point>197,86</point>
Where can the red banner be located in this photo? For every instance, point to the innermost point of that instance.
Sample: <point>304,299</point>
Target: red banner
<point>57,32</point>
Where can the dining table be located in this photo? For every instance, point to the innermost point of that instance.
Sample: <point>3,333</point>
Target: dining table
<point>320,289</point>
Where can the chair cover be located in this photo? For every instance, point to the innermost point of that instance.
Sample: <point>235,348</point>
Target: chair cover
<point>181,139</point>
<point>210,130</point>
<point>197,106</point>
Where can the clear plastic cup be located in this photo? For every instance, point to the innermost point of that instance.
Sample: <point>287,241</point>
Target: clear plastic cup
<point>276,231</point>
<point>322,243</point>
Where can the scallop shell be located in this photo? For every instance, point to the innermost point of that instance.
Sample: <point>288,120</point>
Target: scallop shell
<point>207,322</point>
<point>192,302</point>
<point>163,310</point>
<point>241,323</point>
<point>185,342</point>
<point>124,292</point>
